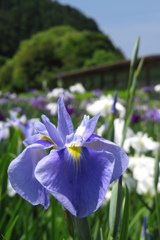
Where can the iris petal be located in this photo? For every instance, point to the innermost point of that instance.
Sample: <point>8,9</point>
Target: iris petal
<point>80,189</point>
<point>31,140</point>
<point>91,126</point>
<point>121,159</point>
<point>53,133</point>
<point>40,127</point>
<point>65,126</point>
<point>46,144</point>
<point>22,178</point>
<point>27,129</point>
<point>13,116</point>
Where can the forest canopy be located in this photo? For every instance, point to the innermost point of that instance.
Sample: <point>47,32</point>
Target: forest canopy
<point>41,38</point>
<point>21,19</point>
<point>54,51</point>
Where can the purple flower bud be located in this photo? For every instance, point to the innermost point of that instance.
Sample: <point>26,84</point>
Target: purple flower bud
<point>113,107</point>
<point>2,116</point>
<point>136,118</point>
<point>153,115</point>
<point>144,227</point>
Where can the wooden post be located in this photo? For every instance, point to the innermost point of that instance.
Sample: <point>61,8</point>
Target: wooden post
<point>147,82</point>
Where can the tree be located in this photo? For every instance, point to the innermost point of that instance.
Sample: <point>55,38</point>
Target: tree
<point>54,51</point>
<point>21,19</point>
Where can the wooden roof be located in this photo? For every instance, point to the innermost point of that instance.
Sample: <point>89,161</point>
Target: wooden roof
<point>149,61</point>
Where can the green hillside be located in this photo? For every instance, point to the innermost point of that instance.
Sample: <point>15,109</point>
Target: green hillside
<point>56,50</point>
<point>21,19</point>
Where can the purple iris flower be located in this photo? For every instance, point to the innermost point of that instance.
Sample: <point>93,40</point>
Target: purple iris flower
<point>153,115</point>
<point>136,118</point>
<point>144,227</point>
<point>33,90</point>
<point>78,169</point>
<point>2,116</point>
<point>148,89</point>
<point>97,92</point>
<point>113,107</point>
<point>36,103</point>
<point>25,125</point>
<point>150,236</point>
<point>70,110</point>
<point>39,101</point>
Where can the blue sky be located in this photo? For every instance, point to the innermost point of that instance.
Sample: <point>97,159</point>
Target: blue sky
<point>124,21</point>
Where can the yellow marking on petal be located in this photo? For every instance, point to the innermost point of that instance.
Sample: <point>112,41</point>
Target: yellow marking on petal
<point>107,107</point>
<point>75,152</point>
<point>49,140</point>
<point>23,121</point>
<point>141,143</point>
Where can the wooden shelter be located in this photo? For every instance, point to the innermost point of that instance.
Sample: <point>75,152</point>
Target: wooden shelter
<point>113,75</point>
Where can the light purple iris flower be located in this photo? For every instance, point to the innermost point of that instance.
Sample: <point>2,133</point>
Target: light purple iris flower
<point>78,169</point>
<point>113,107</point>
<point>144,227</point>
<point>153,115</point>
<point>26,126</point>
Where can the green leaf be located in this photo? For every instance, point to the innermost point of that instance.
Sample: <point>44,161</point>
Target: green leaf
<point>135,53</point>
<point>134,80</point>
<point>101,234</point>
<point>157,211</point>
<point>115,208</point>
<point>132,64</point>
<point>156,169</point>
<point>9,231</point>
<point>125,221</point>
<point>135,219</point>
<point>13,215</point>
<point>156,177</point>
<point>69,221</point>
<point>14,144</point>
<point>83,228</point>
<point>127,122</point>
<point>95,233</point>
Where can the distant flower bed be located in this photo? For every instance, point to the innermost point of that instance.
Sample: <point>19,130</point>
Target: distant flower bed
<point>77,167</point>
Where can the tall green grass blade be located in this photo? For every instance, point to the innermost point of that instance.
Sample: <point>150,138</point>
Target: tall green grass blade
<point>135,219</point>
<point>13,214</point>
<point>156,169</point>
<point>125,220</point>
<point>132,65</point>
<point>101,234</point>
<point>131,86</point>
<point>9,231</point>
<point>15,145</point>
<point>115,208</point>
<point>127,122</point>
<point>157,199</point>
<point>83,228</point>
<point>134,81</point>
<point>139,68</point>
<point>4,163</point>
<point>69,221</point>
<point>144,203</point>
<point>96,230</point>
<point>3,220</point>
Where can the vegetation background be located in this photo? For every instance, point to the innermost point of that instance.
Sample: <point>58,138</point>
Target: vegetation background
<point>40,38</point>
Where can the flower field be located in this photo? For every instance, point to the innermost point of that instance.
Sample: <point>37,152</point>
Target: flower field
<point>53,175</point>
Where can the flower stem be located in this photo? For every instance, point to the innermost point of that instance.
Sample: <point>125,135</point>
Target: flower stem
<point>111,237</point>
<point>83,228</point>
<point>53,229</point>
<point>157,211</point>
